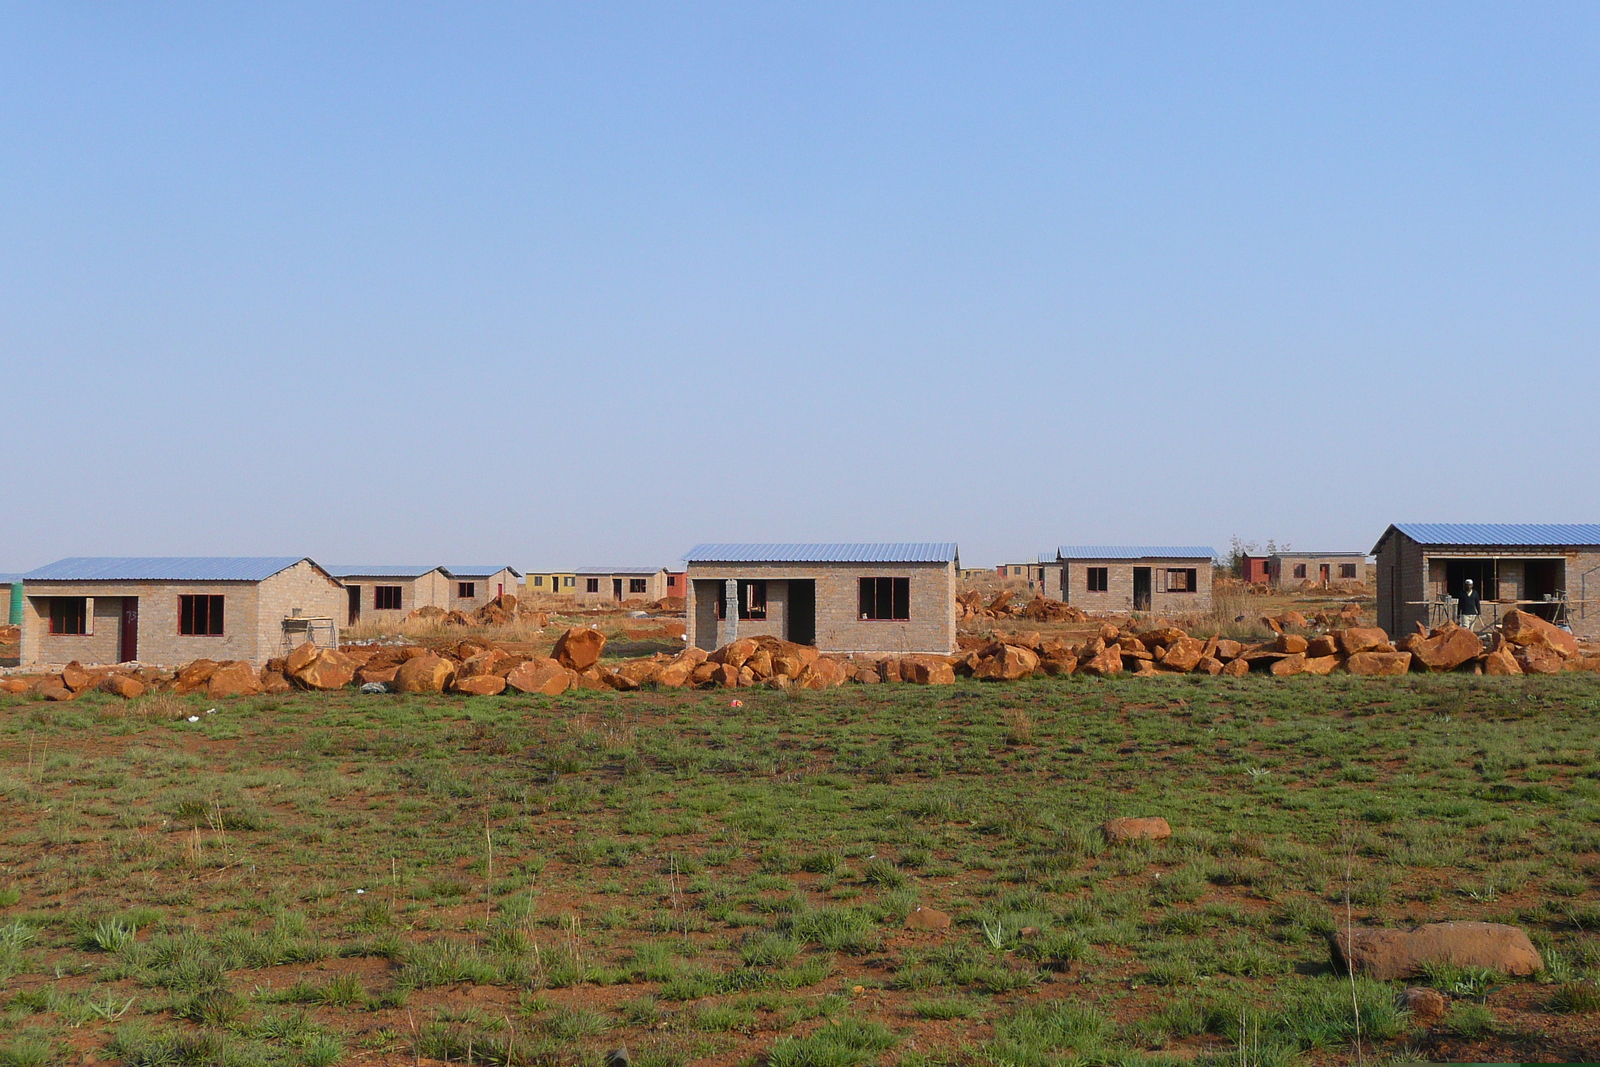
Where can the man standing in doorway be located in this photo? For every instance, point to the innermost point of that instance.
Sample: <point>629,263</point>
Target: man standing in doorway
<point>1467,606</point>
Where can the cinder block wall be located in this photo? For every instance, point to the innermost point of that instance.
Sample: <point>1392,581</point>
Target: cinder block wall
<point>931,628</point>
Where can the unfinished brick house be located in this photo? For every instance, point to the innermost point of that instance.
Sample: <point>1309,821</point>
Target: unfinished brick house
<point>390,593</point>
<point>471,587</point>
<point>1117,579</point>
<point>1546,568</point>
<point>613,585</point>
<point>172,610</point>
<point>1324,570</point>
<point>874,598</point>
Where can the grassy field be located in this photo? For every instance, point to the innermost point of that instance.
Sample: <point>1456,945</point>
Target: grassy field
<point>386,879</point>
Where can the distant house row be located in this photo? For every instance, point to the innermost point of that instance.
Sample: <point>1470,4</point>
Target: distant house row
<point>379,592</point>
<point>1326,570</point>
<point>849,597</point>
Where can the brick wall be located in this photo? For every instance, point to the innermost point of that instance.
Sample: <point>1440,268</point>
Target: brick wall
<point>655,588</point>
<point>302,589</point>
<point>483,591</point>
<point>931,627</point>
<point>1282,570</point>
<point>427,589</point>
<point>159,639</point>
<point>1117,599</point>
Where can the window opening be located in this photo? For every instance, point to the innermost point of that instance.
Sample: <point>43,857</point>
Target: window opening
<point>69,615</point>
<point>200,616</point>
<point>885,599</point>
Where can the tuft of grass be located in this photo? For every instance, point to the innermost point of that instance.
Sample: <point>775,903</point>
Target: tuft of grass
<point>1575,998</point>
<point>837,1043</point>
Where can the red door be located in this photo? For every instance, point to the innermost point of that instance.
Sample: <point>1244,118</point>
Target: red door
<point>128,639</point>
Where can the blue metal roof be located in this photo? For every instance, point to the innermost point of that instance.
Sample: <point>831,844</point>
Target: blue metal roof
<point>7,579</point>
<point>875,552</point>
<point>618,570</point>
<point>477,570</point>
<point>1498,533</point>
<point>383,570</point>
<point>1135,552</point>
<point>162,569</point>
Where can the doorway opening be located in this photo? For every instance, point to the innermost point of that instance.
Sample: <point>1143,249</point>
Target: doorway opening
<point>128,634</point>
<point>355,605</point>
<point>1325,574</point>
<point>616,589</point>
<point>802,611</point>
<point>1141,589</point>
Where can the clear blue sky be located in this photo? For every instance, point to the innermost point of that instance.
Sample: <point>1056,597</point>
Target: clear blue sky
<point>559,284</point>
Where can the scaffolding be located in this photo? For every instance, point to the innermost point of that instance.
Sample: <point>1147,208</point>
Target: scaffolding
<point>319,630</point>
<point>1556,609</point>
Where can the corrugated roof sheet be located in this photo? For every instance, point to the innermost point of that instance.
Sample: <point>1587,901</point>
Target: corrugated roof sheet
<point>162,569</point>
<point>7,579</point>
<point>1310,555</point>
<point>1502,533</point>
<point>618,570</point>
<point>377,570</point>
<point>1135,552</point>
<point>867,552</point>
<point>477,570</point>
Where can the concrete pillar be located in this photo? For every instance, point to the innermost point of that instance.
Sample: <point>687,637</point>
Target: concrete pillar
<point>730,609</point>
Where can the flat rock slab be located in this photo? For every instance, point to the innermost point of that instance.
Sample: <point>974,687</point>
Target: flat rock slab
<point>1120,830</point>
<point>1387,954</point>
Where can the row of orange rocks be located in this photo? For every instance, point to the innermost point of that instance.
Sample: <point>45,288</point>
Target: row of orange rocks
<point>1003,605</point>
<point>501,611</point>
<point>1524,643</point>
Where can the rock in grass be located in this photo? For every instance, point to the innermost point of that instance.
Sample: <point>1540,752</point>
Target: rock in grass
<point>1388,954</point>
<point>1118,831</point>
<point>1425,1005</point>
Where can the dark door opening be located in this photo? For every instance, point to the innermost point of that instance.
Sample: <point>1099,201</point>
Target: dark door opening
<point>1141,589</point>
<point>128,635</point>
<point>355,605</point>
<point>1542,578</point>
<point>802,611</point>
<point>1325,574</point>
<point>1481,571</point>
<point>616,588</point>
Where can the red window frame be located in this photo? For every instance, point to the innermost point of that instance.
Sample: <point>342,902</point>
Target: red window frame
<point>63,620</point>
<point>200,615</point>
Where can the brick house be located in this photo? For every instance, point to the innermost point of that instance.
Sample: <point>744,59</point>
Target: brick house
<point>1546,568</point>
<point>677,583</point>
<point>598,586</point>
<point>1117,579</point>
<point>880,598</point>
<point>1325,570</point>
<point>1021,572</point>
<point>173,610</point>
<point>471,587</point>
<point>389,593</point>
